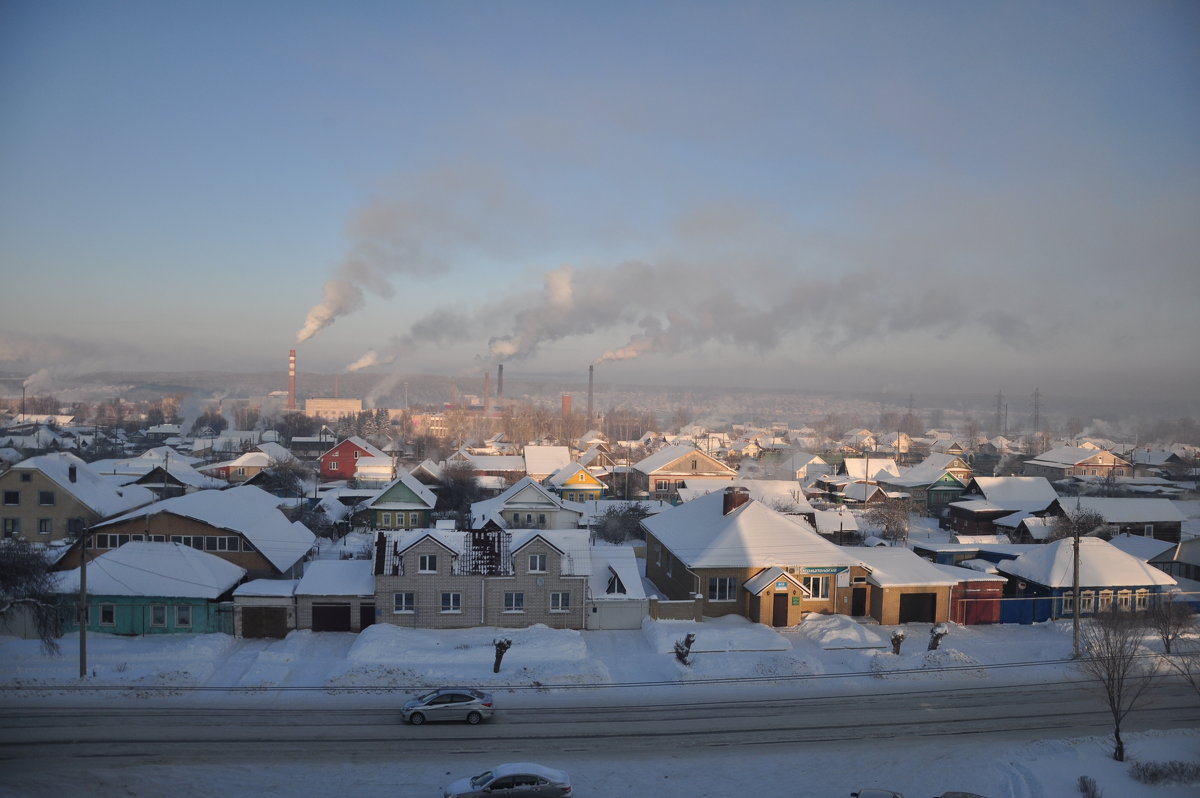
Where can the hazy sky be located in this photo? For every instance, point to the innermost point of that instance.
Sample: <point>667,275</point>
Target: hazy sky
<point>902,197</point>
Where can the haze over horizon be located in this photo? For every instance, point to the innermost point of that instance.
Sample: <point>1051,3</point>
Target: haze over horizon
<point>845,197</point>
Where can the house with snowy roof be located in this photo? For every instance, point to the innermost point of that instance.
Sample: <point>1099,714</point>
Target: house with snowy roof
<point>986,500</point>
<point>542,461</point>
<point>445,578</point>
<point>1068,461</point>
<point>574,483</point>
<point>933,483</point>
<point>162,470</point>
<point>661,474</point>
<point>1150,517</point>
<point>405,503</point>
<point>341,461</point>
<point>243,525</point>
<point>724,553</point>
<point>336,596</point>
<point>1041,581</point>
<point>55,497</point>
<point>146,588</point>
<point>909,589</point>
<point>530,505</point>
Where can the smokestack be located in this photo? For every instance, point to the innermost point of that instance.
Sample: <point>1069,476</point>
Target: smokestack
<point>487,393</point>
<point>566,405</point>
<point>734,498</point>
<point>291,380</point>
<point>500,381</point>
<point>591,376</point>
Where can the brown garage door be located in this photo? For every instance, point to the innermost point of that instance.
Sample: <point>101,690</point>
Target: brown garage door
<point>265,622</point>
<point>331,618</point>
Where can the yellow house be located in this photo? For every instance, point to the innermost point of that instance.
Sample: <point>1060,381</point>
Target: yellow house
<point>574,483</point>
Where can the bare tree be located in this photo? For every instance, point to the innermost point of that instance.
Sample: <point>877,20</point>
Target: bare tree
<point>27,585</point>
<point>892,516</point>
<point>1113,657</point>
<point>622,522</point>
<point>1170,619</point>
<point>1082,523</point>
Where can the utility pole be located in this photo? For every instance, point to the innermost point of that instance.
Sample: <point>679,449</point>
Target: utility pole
<point>1037,418</point>
<point>83,605</point>
<point>1075,592</point>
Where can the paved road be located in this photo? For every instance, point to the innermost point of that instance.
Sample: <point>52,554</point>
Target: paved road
<point>531,726</point>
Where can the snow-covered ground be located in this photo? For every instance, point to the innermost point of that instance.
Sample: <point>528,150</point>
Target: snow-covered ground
<point>826,654</point>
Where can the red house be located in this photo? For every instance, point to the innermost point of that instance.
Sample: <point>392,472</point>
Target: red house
<point>341,462</point>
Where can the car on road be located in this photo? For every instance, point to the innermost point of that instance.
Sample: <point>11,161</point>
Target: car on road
<point>523,779</point>
<point>449,703</point>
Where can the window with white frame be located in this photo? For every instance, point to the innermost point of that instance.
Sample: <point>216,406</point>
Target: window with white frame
<point>452,602</point>
<point>404,602</point>
<point>514,601</point>
<point>1148,530</point>
<point>560,602</point>
<point>158,615</point>
<point>1141,600</point>
<point>722,588</point>
<point>427,564</point>
<point>817,586</point>
<point>108,614</point>
<point>1124,600</point>
<point>1106,600</point>
<point>183,615</point>
<point>1068,604</point>
<point>385,520</point>
<point>537,563</point>
<point>333,465</point>
<point>1087,601</point>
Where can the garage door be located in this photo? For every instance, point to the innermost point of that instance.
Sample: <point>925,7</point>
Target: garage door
<point>917,607</point>
<point>331,618</point>
<point>265,622</point>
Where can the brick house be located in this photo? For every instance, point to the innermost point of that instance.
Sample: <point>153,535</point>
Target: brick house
<point>341,461</point>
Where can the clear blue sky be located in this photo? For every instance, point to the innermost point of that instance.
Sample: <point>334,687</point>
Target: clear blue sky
<point>882,196</point>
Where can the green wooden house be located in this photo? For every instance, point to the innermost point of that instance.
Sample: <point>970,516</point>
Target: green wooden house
<point>406,503</point>
<point>143,588</point>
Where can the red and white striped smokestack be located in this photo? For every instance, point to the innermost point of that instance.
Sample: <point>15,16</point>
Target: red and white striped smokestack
<point>291,379</point>
<point>591,375</point>
<point>566,405</point>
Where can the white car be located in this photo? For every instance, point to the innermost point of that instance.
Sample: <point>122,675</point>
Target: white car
<point>524,779</point>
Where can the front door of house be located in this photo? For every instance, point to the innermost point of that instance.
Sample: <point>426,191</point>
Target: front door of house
<point>858,602</point>
<point>779,615</point>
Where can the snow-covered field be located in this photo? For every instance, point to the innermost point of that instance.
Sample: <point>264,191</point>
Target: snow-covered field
<point>827,654</point>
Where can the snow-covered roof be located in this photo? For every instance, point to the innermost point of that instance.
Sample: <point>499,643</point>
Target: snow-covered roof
<point>609,560</point>
<point>246,509</point>
<point>267,588</point>
<point>894,566</point>
<point>1100,565</point>
<point>1140,546</point>
<point>525,493</point>
<point>1065,456</point>
<point>1016,492</point>
<point>337,578</point>
<point>751,535</point>
<point>669,454</point>
<point>1125,511</point>
<point>88,487</point>
<point>170,570</point>
<point>878,467</point>
<point>967,574</point>
<point>544,460</point>
<point>830,522</point>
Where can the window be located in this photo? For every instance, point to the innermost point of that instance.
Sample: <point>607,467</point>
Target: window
<point>452,602</point>
<point>224,543</point>
<point>1106,600</point>
<point>1068,604</point>
<point>108,614</point>
<point>12,498</point>
<point>158,615</point>
<point>560,602</point>
<point>427,564</point>
<point>537,563</point>
<point>45,526</point>
<point>385,520</point>
<point>333,465</point>
<point>46,498</point>
<point>405,602</point>
<point>541,520</point>
<point>517,519</point>
<point>183,615</point>
<point>1087,601</point>
<point>414,520</point>
<point>1141,600</point>
<point>27,477</point>
<point>514,602</point>
<point>722,588</point>
<point>1124,601</point>
<point>356,455</point>
<point>12,527</point>
<point>1148,530</point>
<point>817,586</point>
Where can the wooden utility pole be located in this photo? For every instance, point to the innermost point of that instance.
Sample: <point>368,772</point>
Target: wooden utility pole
<point>83,605</point>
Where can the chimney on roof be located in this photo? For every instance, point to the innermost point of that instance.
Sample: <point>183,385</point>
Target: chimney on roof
<point>291,379</point>
<point>72,473</point>
<point>734,498</point>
